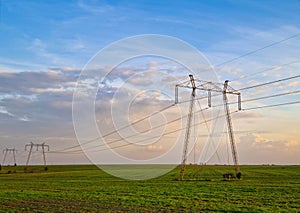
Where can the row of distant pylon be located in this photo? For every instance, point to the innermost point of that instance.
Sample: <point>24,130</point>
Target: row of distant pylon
<point>28,147</point>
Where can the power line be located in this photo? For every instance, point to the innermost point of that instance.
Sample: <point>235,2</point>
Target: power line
<point>272,96</point>
<point>174,131</point>
<point>174,120</point>
<point>267,70</point>
<point>116,131</point>
<point>263,97</point>
<point>66,152</point>
<point>249,87</point>
<point>248,100</point>
<point>168,133</point>
<point>125,138</point>
<point>273,105</point>
<point>257,50</point>
<point>233,59</point>
<point>142,119</point>
<point>270,82</point>
<point>213,141</point>
<point>128,144</point>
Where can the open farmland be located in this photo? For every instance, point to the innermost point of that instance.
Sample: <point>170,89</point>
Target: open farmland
<point>79,188</point>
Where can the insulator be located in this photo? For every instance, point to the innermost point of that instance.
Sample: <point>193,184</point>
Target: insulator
<point>176,94</point>
<point>239,102</point>
<point>209,98</point>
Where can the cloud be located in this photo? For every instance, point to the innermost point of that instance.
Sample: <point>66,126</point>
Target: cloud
<point>140,80</point>
<point>40,49</point>
<point>247,115</point>
<point>254,142</point>
<point>44,98</point>
<point>155,148</point>
<point>3,110</point>
<point>292,144</point>
<point>67,105</point>
<point>64,69</point>
<point>276,67</point>
<point>278,59</point>
<point>48,53</point>
<point>24,118</point>
<point>95,8</point>
<point>230,70</point>
<point>153,65</point>
<point>293,84</point>
<point>23,83</point>
<point>37,96</point>
<point>74,44</point>
<point>17,65</point>
<point>255,148</point>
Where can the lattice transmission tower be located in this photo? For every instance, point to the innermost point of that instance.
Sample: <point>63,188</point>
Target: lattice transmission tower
<point>9,151</point>
<point>39,147</point>
<point>209,87</point>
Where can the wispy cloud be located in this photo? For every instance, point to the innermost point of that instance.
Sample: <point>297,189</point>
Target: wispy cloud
<point>95,8</point>
<point>3,110</point>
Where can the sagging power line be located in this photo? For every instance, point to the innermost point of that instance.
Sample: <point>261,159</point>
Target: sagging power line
<point>259,49</point>
<point>69,149</point>
<point>65,150</point>
<point>117,130</point>
<point>225,62</point>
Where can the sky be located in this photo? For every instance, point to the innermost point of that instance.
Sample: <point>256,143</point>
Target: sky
<point>45,45</point>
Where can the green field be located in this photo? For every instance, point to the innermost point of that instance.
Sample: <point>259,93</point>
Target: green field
<point>82,188</point>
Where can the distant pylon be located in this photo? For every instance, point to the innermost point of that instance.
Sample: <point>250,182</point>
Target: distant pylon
<point>32,145</point>
<point>9,151</point>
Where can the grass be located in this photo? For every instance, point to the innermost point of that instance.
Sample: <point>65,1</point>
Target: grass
<point>81,188</point>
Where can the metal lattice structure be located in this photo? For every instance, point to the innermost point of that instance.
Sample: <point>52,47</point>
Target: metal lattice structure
<point>210,87</point>
<point>9,151</point>
<point>39,147</point>
<point>230,127</point>
<point>188,130</point>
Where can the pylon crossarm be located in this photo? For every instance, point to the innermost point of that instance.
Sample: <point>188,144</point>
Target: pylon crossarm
<point>183,84</point>
<point>208,86</point>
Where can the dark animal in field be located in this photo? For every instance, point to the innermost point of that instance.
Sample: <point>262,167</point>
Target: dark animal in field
<point>228,176</point>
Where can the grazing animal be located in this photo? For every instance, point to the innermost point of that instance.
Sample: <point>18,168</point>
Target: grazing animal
<point>228,176</point>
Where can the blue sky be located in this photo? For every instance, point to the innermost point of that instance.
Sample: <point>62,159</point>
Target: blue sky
<point>44,45</point>
<point>55,32</point>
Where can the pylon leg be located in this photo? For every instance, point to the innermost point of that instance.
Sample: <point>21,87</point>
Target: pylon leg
<point>4,157</point>
<point>230,132</point>
<point>15,163</point>
<point>44,157</point>
<point>187,136</point>
<point>29,154</point>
